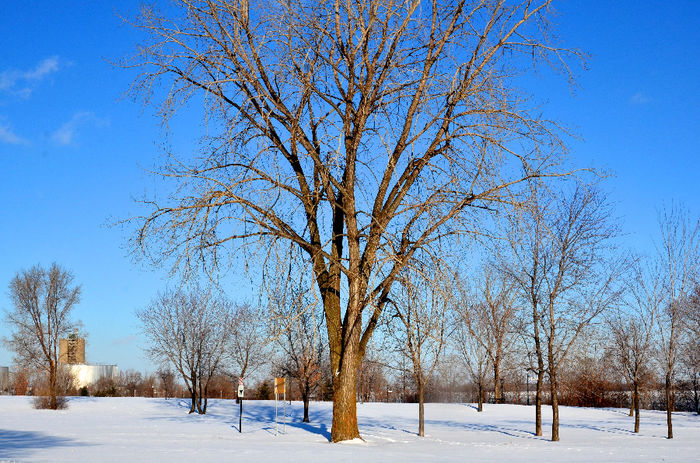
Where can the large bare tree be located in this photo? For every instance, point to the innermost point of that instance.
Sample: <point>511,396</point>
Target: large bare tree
<point>360,132</point>
<point>43,300</point>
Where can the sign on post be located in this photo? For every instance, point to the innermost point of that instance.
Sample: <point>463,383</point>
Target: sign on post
<point>281,390</point>
<point>241,390</point>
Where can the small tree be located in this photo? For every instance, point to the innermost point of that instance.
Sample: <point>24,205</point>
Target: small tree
<point>490,321</point>
<point>43,300</point>
<point>676,269</point>
<point>189,330</point>
<point>566,268</point>
<point>421,303</point>
<point>298,334</point>
<point>246,348</point>
<point>167,381</point>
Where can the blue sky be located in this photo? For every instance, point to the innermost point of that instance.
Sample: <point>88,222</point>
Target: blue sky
<point>73,152</point>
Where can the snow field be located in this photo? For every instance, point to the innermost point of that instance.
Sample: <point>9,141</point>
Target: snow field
<point>152,430</point>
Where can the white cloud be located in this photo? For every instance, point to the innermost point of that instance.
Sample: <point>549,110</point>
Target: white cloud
<point>20,82</point>
<point>7,135</point>
<point>65,134</point>
<point>640,98</point>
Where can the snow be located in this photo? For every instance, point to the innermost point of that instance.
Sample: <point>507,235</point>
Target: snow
<point>137,429</point>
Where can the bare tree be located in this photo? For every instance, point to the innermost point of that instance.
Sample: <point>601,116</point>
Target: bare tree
<point>632,336</point>
<point>472,352</point>
<point>361,132</point>
<point>129,381</point>
<point>189,330</point>
<point>421,304</point>
<point>692,349</point>
<point>566,268</point>
<point>490,321</point>
<point>296,327</point>
<point>42,300</point>
<point>167,381</point>
<point>677,267</point>
<point>247,346</point>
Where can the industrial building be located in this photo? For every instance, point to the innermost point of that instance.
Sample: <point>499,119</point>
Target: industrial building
<point>71,352</point>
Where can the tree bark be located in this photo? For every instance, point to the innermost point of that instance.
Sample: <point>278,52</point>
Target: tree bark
<point>669,406</point>
<point>344,426</point>
<point>480,392</point>
<point>421,413</point>
<point>52,386</point>
<point>305,398</point>
<point>538,403</point>
<point>635,400</point>
<point>555,407</point>
<point>497,393</point>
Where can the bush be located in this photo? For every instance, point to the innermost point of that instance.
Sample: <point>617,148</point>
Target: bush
<point>44,403</point>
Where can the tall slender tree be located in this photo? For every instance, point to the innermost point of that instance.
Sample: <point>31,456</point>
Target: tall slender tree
<point>677,268</point>
<point>422,302</point>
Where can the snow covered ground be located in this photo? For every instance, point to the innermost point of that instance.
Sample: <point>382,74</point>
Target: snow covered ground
<point>135,430</point>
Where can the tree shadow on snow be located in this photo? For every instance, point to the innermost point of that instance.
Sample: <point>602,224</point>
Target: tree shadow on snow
<point>264,413</point>
<point>20,444</point>
<point>257,415</point>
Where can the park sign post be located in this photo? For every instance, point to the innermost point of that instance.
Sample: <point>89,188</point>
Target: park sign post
<point>241,391</point>
<point>281,390</point>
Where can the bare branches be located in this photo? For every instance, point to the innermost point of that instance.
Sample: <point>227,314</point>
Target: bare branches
<point>189,330</point>
<point>43,300</point>
<point>363,133</point>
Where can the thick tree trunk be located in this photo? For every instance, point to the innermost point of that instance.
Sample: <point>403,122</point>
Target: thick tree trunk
<point>421,413</point>
<point>344,426</point>
<point>669,406</point>
<point>555,406</point>
<point>538,403</point>
<point>635,400</point>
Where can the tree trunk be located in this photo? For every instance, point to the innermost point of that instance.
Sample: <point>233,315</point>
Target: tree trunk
<point>538,403</point>
<point>669,406</point>
<point>555,406</point>
<point>695,394</point>
<point>632,401</point>
<point>52,386</point>
<point>635,400</point>
<point>421,413</point>
<point>480,399</point>
<point>344,426</point>
<point>305,398</point>
<point>497,393</point>
<point>193,393</point>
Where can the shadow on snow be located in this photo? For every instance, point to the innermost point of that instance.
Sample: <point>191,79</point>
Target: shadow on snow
<point>19,444</point>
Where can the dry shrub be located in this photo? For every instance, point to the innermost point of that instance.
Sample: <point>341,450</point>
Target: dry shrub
<point>44,403</point>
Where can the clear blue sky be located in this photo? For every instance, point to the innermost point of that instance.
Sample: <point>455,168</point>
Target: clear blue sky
<point>73,153</point>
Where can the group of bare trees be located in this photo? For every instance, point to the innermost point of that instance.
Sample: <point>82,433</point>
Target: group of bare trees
<point>200,334</point>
